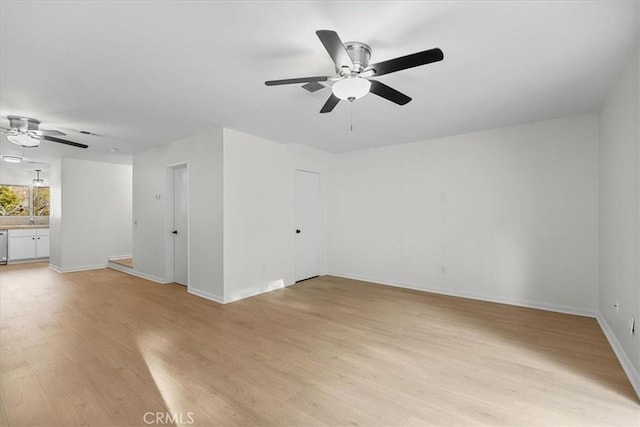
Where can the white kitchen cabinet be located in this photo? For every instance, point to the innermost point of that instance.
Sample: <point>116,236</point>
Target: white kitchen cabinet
<point>42,247</point>
<point>21,247</point>
<point>26,244</point>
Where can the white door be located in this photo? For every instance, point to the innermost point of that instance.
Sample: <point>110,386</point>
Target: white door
<point>308,225</point>
<point>180,225</point>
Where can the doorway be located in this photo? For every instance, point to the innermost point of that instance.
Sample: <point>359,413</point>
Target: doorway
<point>180,228</point>
<point>308,217</point>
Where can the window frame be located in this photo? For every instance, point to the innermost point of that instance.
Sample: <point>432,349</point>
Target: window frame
<point>31,210</point>
<point>32,207</point>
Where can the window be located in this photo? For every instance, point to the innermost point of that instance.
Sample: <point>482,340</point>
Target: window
<point>40,201</point>
<point>14,200</point>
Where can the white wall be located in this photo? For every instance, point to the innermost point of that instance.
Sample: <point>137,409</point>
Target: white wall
<point>259,229</point>
<point>152,239</point>
<point>510,214</point>
<point>55,214</point>
<point>241,224</point>
<point>620,215</point>
<point>91,213</point>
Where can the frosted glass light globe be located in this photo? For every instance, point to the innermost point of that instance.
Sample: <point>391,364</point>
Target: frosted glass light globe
<point>351,88</point>
<point>23,140</point>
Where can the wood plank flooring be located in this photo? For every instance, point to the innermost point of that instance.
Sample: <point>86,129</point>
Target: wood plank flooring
<point>105,348</point>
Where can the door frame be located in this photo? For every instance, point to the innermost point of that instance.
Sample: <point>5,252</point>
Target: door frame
<point>169,221</point>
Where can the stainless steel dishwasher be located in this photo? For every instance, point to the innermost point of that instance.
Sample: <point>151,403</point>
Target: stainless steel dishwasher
<point>4,241</point>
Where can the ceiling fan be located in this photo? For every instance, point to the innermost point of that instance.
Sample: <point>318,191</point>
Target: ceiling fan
<point>354,72</point>
<point>25,132</point>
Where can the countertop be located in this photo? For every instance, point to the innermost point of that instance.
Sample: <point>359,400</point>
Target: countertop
<point>21,227</point>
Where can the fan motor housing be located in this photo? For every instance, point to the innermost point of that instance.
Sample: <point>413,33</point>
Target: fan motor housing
<point>360,54</point>
<point>23,124</point>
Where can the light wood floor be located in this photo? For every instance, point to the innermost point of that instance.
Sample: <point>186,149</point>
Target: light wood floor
<point>103,348</point>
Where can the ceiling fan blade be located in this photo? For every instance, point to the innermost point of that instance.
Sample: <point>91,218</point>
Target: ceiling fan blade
<point>388,93</point>
<point>48,132</point>
<point>404,62</point>
<point>62,141</point>
<point>296,81</point>
<point>330,104</point>
<point>335,48</point>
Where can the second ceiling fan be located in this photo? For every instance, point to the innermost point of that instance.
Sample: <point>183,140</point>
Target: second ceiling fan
<point>354,74</point>
<point>26,132</point>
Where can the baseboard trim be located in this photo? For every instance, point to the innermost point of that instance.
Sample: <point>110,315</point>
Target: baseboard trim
<point>624,360</point>
<point>475,296</point>
<point>54,268</point>
<point>119,257</point>
<point>256,290</point>
<point>76,269</point>
<point>246,293</point>
<point>131,271</point>
<point>27,261</point>
<point>206,295</point>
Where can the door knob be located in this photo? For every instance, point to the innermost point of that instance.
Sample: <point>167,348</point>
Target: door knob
<point>175,231</point>
<point>297,231</point>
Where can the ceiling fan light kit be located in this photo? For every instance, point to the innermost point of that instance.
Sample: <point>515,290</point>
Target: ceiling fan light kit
<point>23,140</point>
<point>351,88</point>
<point>353,79</point>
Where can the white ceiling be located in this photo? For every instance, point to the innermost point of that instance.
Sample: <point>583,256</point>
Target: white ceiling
<point>143,74</point>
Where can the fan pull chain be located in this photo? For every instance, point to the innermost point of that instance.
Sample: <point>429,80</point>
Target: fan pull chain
<point>351,116</point>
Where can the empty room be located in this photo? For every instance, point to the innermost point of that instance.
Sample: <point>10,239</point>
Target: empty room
<point>320,213</point>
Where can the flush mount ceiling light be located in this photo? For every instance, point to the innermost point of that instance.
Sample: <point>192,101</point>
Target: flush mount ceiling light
<point>351,88</point>
<point>23,140</point>
<point>37,181</point>
<point>12,159</point>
